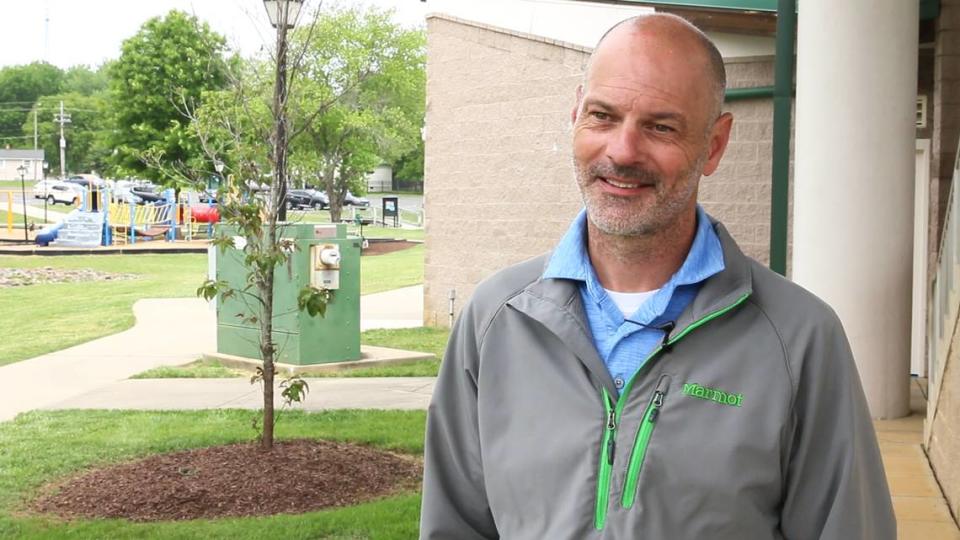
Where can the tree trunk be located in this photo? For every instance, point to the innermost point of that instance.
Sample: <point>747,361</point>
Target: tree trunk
<point>267,349</point>
<point>336,201</point>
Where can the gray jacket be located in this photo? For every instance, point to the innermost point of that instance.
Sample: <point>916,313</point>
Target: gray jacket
<point>748,422</point>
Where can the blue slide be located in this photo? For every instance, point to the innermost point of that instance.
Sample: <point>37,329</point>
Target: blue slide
<point>48,234</point>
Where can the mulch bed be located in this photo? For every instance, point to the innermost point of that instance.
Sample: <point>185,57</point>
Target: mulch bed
<point>235,480</point>
<point>380,248</point>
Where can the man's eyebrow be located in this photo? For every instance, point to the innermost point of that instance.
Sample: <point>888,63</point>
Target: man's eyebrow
<point>667,115</point>
<point>677,117</point>
<point>595,102</point>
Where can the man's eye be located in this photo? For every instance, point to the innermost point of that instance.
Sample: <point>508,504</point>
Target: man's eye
<point>600,115</point>
<point>663,128</point>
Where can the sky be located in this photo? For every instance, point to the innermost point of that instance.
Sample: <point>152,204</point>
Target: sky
<point>89,32</point>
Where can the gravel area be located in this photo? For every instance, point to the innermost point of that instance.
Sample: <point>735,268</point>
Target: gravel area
<point>19,277</point>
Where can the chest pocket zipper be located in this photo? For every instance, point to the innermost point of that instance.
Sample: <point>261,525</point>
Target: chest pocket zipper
<point>642,441</point>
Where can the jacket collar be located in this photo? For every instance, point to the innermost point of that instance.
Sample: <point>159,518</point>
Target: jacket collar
<point>556,304</point>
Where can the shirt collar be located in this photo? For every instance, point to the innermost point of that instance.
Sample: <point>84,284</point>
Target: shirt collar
<point>570,259</point>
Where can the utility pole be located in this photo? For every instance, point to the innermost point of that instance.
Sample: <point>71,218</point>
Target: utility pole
<point>62,119</point>
<point>35,138</point>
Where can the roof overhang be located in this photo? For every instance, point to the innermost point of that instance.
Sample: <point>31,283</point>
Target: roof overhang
<point>740,16</point>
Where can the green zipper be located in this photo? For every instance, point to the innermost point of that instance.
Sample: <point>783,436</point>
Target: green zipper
<point>613,419</point>
<point>606,463</point>
<point>640,445</point>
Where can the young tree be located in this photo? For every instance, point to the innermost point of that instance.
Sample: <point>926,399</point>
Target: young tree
<point>372,73</point>
<point>355,91</point>
<point>160,75</point>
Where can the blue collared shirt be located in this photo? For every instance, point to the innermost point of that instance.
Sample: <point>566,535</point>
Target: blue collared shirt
<point>624,344</point>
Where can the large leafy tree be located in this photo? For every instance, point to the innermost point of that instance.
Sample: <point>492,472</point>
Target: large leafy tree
<point>154,85</point>
<point>368,74</point>
<point>85,81</point>
<point>20,86</point>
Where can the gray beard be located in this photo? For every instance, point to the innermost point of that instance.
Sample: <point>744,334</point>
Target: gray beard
<point>620,216</point>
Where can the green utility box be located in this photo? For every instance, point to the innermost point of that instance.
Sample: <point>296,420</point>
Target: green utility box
<point>325,255</point>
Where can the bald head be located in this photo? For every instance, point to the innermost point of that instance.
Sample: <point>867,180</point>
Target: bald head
<point>677,35</point>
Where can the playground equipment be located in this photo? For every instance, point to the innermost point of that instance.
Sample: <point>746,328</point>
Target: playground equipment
<point>324,257</point>
<point>100,220</point>
<point>48,234</point>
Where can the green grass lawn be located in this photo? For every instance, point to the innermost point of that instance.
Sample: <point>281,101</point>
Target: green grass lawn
<point>43,318</point>
<point>33,453</point>
<point>14,185</point>
<point>402,268</point>
<point>199,369</point>
<point>426,339</point>
<point>369,231</point>
<point>17,220</point>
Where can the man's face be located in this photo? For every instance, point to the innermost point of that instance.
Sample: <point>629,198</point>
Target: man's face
<point>643,134</point>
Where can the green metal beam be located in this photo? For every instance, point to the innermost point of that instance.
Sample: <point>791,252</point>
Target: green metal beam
<point>757,92</point>
<point>782,104</point>
<point>929,9</point>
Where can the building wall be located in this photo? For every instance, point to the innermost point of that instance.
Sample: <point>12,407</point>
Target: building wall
<point>944,444</point>
<point>738,194</point>
<point>8,169</point>
<point>499,185</point>
<point>946,102</point>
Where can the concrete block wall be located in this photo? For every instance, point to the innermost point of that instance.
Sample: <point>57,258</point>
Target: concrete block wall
<point>946,103</point>
<point>499,184</point>
<point>944,444</point>
<point>738,194</point>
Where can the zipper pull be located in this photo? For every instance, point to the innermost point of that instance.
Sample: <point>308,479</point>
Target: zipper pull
<point>611,449</point>
<point>657,403</point>
<point>612,420</point>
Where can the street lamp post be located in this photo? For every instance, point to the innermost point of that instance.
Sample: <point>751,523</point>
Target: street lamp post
<point>22,169</point>
<point>283,15</point>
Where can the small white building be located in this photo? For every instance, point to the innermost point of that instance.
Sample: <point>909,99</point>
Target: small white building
<point>12,159</point>
<point>381,179</point>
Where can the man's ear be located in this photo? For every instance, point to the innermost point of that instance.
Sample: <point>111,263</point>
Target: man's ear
<point>576,106</point>
<point>719,137</point>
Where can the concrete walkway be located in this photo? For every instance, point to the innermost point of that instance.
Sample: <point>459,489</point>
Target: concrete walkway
<point>167,332</point>
<point>34,211</point>
<point>189,394</point>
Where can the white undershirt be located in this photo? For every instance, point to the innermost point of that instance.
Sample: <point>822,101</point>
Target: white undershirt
<point>629,302</point>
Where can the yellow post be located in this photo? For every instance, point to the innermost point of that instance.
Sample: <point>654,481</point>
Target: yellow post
<point>10,212</point>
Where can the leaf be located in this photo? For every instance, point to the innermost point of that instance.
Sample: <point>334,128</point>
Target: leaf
<point>314,301</point>
<point>293,389</point>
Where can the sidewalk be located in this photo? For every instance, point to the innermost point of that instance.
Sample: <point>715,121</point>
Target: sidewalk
<point>922,512</point>
<point>238,393</point>
<point>167,332</point>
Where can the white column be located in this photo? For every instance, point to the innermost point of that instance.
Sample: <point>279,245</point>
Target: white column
<point>854,174</point>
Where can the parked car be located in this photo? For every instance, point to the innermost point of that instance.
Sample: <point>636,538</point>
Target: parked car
<point>298,200</point>
<point>42,188</point>
<point>352,200</point>
<point>87,180</point>
<point>64,192</point>
<point>148,194</point>
<point>318,199</point>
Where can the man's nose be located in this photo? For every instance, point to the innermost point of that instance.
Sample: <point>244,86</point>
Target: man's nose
<point>625,145</point>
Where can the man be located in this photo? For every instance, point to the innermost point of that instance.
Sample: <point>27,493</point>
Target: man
<point>646,379</point>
